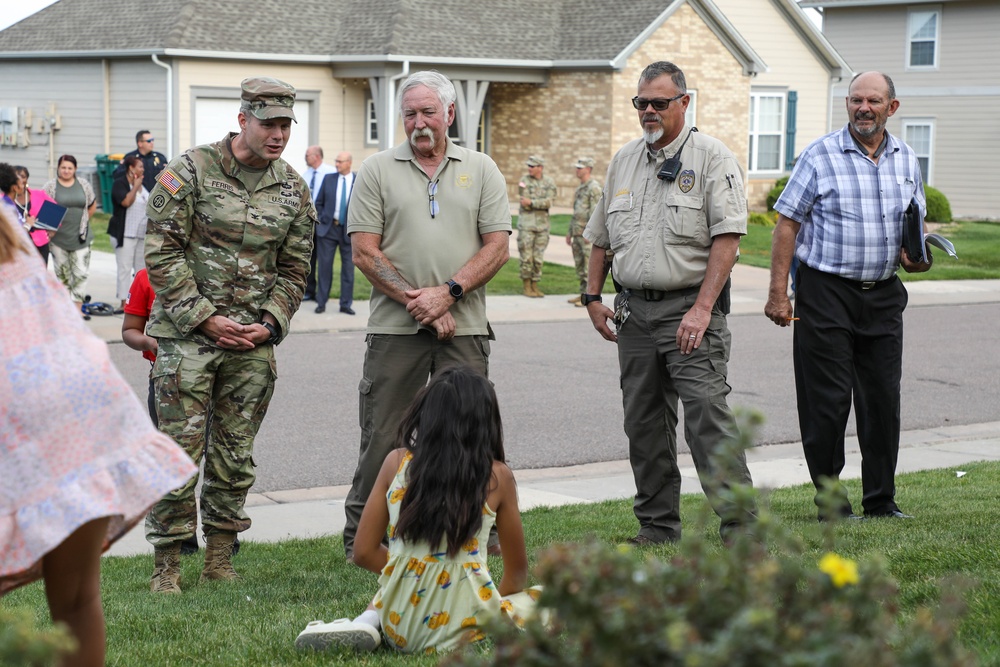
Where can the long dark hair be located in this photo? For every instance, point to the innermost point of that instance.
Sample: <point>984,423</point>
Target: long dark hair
<point>454,431</point>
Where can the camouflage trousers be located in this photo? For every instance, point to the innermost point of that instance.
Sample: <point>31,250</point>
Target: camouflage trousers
<point>581,256</point>
<point>194,384</point>
<point>531,245</point>
<point>72,268</point>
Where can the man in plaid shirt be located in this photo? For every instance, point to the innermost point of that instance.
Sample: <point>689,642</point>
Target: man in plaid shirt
<point>842,215</point>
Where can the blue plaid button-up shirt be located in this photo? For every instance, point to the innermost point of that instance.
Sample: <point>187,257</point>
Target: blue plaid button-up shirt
<point>850,208</point>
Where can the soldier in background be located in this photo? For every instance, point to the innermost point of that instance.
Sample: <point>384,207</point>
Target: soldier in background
<point>227,250</point>
<point>536,194</point>
<point>588,193</point>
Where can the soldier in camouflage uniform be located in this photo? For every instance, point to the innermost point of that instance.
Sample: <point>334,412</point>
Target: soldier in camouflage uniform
<point>588,193</point>
<point>536,194</point>
<point>227,251</point>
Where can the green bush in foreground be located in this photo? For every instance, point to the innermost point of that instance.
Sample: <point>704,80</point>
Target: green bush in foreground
<point>938,206</point>
<point>22,644</point>
<point>759,602</point>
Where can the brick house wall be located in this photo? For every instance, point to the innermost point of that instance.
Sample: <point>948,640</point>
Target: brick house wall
<point>591,113</point>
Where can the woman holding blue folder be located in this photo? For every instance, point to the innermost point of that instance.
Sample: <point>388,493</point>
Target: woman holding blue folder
<point>71,244</point>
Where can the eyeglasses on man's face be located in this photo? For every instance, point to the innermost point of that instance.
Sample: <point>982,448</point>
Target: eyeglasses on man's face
<point>658,104</point>
<point>432,190</point>
<point>149,140</point>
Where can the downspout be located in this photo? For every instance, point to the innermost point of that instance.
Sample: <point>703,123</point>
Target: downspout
<point>391,97</point>
<point>170,104</point>
<point>106,72</point>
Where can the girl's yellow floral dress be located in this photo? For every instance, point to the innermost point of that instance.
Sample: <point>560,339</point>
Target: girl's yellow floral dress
<point>428,601</point>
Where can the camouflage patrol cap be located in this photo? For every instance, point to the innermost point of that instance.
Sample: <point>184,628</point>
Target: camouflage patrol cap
<point>268,98</point>
<point>535,161</point>
<point>582,162</point>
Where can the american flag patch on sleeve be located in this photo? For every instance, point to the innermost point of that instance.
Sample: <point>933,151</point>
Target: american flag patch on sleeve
<point>169,181</point>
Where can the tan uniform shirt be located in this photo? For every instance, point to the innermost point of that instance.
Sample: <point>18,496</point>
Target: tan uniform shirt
<point>661,232</point>
<point>390,199</point>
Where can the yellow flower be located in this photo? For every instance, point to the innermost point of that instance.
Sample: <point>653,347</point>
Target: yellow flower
<point>842,571</point>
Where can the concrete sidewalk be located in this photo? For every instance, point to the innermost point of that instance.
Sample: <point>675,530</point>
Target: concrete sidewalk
<point>314,512</point>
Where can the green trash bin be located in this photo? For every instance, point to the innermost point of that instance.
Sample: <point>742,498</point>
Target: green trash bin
<point>106,165</point>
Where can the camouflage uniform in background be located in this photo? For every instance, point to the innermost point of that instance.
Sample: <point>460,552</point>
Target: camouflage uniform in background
<point>584,201</point>
<point>533,223</point>
<point>219,244</point>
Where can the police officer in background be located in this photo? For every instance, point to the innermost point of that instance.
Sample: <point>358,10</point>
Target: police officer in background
<point>153,163</point>
<point>673,211</point>
<point>227,250</point>
<point>588,193</point>
<point>536,193</point>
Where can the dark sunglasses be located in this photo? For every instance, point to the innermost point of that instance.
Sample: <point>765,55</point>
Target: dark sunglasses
<point>658,104</point>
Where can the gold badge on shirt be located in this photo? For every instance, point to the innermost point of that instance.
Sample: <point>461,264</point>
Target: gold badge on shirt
<point>686,181</point>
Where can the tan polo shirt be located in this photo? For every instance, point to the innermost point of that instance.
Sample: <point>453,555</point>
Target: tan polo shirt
<point>390,198</point>
<point>661,232</point>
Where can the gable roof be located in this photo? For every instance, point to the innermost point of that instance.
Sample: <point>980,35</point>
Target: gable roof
<point>863,3</point>
<point>550,33</point>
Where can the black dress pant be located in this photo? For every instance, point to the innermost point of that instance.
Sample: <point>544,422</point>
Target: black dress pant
<point>848,342</point>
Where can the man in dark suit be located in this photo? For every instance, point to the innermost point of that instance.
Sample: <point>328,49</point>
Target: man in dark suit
<point>331,206</point>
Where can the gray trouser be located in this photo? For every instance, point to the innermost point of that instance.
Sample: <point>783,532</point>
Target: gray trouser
<point>653,375</point>
<point>396,368</point>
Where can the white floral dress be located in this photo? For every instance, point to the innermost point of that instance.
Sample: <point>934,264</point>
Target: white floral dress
<point>428,601</point>
<point>75,442</point>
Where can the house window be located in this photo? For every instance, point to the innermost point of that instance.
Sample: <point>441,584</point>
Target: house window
<point>922,32</point>
<point>919,135</point>
<point>480,133</point>
<point>767,129</point>
<point>371,122</point>
<point>691,115</point>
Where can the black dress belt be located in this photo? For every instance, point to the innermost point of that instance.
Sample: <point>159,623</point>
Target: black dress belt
<point>660,295</point>
<point>863,285</point>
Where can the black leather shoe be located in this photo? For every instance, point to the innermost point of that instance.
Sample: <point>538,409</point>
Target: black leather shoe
<point>347,309</point>
<point>320,309</point>
<point>309,297</point>
<point>643,541</point>
<point>891,514</point>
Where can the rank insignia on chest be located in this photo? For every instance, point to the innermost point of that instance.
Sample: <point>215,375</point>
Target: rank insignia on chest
<point>686,180</point>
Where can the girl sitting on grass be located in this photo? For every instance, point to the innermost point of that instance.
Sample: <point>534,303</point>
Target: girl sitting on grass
<point>438,496</point>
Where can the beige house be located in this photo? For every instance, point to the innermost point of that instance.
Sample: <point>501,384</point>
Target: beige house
<point>556,78</point>
<point>944,60</point>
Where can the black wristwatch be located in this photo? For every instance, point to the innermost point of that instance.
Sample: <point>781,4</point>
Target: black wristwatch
<point>275,337</point>
<point>455,290</point>
<point>590,298</point>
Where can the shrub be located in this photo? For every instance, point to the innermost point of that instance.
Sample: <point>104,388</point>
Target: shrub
<point>759,602</point>
<point>762,219</point>
<point>22,644</point>
<point>776,191</point>
<point>938,207</point>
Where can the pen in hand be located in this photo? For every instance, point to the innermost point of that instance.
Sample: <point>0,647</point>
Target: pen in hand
<point>793,319</point>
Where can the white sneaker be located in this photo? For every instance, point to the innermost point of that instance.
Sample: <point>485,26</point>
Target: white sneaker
<point>342,632</point>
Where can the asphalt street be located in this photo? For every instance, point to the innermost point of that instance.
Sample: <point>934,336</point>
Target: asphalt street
<point>557,382</point>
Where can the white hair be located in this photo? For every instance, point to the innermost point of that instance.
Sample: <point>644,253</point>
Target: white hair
<point>434,80</point>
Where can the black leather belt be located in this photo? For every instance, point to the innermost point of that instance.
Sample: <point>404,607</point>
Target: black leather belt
<point>660,295</point>
<point>863,285</point>
<point>866,285</point>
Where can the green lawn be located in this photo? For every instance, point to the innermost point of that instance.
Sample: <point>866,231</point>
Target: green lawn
<point>976,243</point>
<point>286,585</point>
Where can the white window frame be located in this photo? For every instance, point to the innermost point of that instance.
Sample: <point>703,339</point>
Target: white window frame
<point>755,95</point>
<point>910,19</point>
<point>922,122</point>
<point>371,122</point>
<point>691,115</point>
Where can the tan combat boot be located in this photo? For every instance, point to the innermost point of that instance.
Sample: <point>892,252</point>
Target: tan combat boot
<point>576,301</point>
<point>166,569</point>
<point>218,557</point>
<point>534,288</point>
<point>527,288</point>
